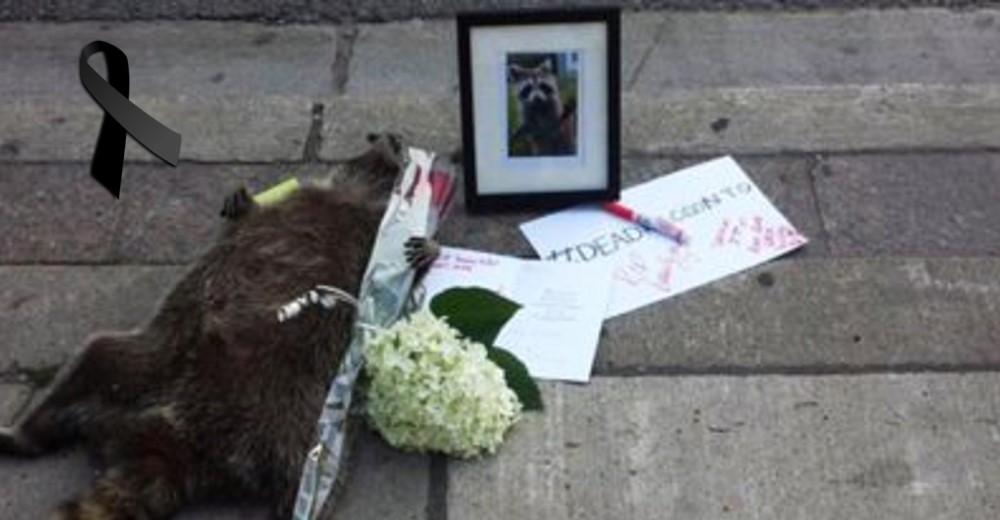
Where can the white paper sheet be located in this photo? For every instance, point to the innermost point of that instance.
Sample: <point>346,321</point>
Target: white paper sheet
<point>556,331</point>
<point>731,225</point>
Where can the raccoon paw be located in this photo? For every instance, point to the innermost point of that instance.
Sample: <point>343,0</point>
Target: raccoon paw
<point>237,204</point>
<point>421,252</point>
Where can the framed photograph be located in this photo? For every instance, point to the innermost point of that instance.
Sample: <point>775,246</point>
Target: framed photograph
<point>540,107</point>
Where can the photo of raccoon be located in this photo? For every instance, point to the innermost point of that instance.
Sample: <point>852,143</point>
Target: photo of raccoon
<point>542,91</point>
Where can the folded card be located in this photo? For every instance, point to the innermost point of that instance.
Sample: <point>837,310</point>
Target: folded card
<point>555,333</point>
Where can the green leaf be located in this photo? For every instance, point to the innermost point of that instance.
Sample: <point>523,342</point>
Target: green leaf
<point>476,313</point>
<point>518,378</point>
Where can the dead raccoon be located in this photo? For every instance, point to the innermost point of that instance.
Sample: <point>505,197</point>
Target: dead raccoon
<point>215,397</point>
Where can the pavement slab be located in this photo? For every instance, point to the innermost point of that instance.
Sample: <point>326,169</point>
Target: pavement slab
<point>13,397</point>
<point>56,213</point>
<point>923,204</point>
<point>52,213</point>
<point>166,59</point>
<point>404,58</point>
<point>237,90</point>
<point>428,122</point>
<point>382,483</point>
<point>240,129</point>
<point>429,66</point>
<point>755,49</point>
<point>48,312</point>
<point>750,120</point>
<point>31,489</point>
<point>871,204</point>
<point>668,51</point>
<point>818,315</point>
<point>914,446</point>
<point>823,81</point>
<point>812,314</point>
<point>848,118</point>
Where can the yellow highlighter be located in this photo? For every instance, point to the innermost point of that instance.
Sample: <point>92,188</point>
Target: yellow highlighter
<point>277,193</point>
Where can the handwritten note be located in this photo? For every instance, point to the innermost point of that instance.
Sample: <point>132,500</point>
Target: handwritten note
<point>555,333</point>
<point>731,225</point>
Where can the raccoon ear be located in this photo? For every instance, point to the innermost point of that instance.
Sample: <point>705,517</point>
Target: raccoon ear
<point>546,66</point>
<point>515,72</point>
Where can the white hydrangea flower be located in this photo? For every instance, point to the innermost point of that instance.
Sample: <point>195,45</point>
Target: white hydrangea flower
<point>432,390</point>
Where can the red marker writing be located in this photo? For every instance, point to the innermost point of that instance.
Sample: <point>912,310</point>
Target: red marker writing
<point>655,224</point>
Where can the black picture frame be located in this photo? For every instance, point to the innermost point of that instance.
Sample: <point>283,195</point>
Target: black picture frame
<point>529,148</point>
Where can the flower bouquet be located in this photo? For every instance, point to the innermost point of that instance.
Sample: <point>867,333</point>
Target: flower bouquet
<point>436,381</point>
<point>438,384</point>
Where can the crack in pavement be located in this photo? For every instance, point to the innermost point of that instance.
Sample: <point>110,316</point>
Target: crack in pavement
<point>657,38</point>
<point>819,163</point>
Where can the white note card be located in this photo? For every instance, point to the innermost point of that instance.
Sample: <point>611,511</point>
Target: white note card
<point>730,224</point>
<point>556,331</point>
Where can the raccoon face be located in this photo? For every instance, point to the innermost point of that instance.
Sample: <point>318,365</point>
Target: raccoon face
<point>536,87</point>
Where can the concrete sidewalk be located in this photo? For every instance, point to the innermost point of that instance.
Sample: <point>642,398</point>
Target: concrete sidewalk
<point>858,377</point>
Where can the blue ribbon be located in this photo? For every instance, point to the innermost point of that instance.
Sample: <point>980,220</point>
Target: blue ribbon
<point>121,116</point>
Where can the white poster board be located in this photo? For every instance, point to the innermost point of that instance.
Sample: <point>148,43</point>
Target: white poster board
<point>730,224</point>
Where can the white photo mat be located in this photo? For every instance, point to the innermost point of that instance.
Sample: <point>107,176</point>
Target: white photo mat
<point>496,173</point>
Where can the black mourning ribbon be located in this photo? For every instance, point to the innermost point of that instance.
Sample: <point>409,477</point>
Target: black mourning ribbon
<point>120,116</point>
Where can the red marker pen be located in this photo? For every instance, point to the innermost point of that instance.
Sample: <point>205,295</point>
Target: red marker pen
<point>655,224</point>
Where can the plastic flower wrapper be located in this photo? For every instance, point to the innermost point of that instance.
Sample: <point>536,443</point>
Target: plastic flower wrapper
<point>419,201</point>
<point>432,390</point>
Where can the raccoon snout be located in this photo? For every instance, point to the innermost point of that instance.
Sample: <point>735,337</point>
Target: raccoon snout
<point>533,93</point>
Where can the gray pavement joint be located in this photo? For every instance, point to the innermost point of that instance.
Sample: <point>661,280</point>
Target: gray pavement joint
<point>299,11</point>
<point>314,140</point>
<point>822,370</point>
<point>627,154</point>
<point>347,35</point>
<point>437,488</point>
